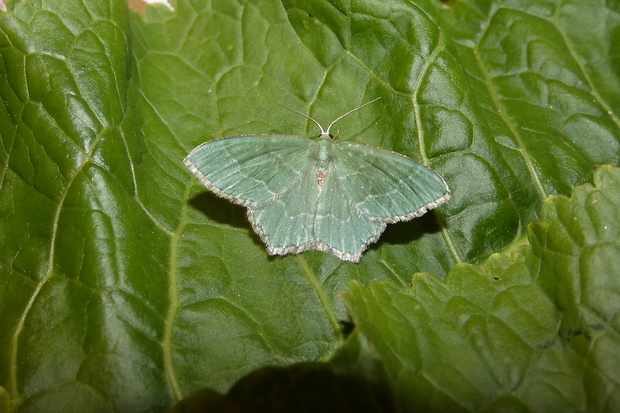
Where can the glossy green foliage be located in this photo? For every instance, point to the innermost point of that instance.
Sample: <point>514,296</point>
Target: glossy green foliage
<point>536,331</point>
<point>125,285</point>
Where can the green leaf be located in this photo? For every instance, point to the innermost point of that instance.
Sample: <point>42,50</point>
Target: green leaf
<point>535,331</point>
<point>353,381</point>
<point>125,286</point>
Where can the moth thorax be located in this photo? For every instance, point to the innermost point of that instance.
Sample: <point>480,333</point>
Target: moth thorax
<point>322,155</point>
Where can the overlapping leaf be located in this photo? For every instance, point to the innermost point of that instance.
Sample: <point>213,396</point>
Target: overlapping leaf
<point>536,331</point>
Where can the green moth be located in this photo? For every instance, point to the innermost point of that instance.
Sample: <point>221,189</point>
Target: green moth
<point>323,194</point>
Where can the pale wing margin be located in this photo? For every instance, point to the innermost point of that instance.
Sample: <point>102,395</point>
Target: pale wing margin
<point>249,169</point>
<point>386,185</point>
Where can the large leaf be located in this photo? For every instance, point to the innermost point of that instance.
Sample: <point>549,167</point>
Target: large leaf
<point>124,286</point>
<point>536,331</point>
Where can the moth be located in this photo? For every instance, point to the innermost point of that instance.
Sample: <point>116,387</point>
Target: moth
<point>323,194</point>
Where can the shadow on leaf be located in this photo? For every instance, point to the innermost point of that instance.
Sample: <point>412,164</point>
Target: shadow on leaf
<point>303,387</point>
<point>405,232</point>
<point>220,210</point>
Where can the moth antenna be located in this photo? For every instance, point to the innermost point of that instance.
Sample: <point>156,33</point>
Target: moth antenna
<point>349,112</point>
<point>305,116</point>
